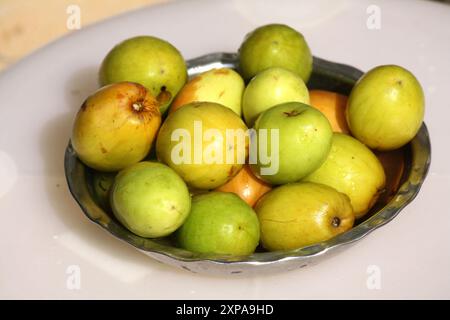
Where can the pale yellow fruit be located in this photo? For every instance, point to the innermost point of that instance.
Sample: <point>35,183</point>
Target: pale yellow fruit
<point>200,159</point>
<point>224,86</point>
<point>353,169</point>
<point>116,126</point>
<point>269,88</point>
<point>386,108</point>
<point>301,214</point>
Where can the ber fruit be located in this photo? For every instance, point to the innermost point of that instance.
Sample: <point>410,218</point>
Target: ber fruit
<point>220,223</point>
<point>386,108</point>
<point>150,199</point>
<point>115,127</point>
<point>150,61</point>
<point>353,169</point>
<point>303,143</point>
<point>194,142</point>
<point>269,88</point>
<point>275,45</point>
<point>301,214</point>
<point>224,86</point>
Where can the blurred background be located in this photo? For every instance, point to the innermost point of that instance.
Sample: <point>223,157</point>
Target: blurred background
<point>26,25</point>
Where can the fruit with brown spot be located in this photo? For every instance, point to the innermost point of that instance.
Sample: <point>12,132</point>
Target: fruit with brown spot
<point>301,214</point>
<point>116,126</point>
<point>150,61</point>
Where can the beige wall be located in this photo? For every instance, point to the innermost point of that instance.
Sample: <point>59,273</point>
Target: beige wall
<point>26,25</point>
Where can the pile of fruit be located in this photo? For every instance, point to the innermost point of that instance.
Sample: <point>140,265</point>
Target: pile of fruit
<point>233,160</point>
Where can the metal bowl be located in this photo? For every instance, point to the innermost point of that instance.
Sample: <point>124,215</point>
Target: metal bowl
<point>327,76</point>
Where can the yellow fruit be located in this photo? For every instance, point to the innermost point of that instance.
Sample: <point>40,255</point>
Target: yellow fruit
<point>353,169</point>
<point>301,214</point>
<point>224,86</point>
<point>271,87</point>
<point>386,108</point>
<point>115,127</point>
<point>193,141</point>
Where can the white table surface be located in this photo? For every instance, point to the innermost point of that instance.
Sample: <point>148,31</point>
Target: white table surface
<point>44,233</point>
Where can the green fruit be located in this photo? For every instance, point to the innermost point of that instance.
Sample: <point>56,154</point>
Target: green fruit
<point>150,61</point>
<point>150,199</point>
<point>220,223</point>
<point>271,87</point>
<point>184,144</point>
<point>386,108</point>
<point>275,45</point>
<point>116,126</point>
<point>224,86</point>
<point>304,140</point>
<point>102,182</point>
<point>353,169</point>
<point>301,214</point>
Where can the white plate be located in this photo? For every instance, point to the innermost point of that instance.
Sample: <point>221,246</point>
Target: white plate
<point>50,250</point>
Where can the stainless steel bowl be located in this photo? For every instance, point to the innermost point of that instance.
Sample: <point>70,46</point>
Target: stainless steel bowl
<point>326,75</point>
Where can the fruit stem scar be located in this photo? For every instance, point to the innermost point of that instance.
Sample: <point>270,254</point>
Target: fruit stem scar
<point>336,222</point>
<point>137,106</point>
<point>293,113</point>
